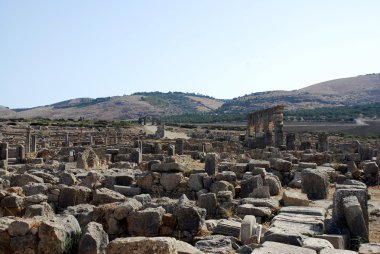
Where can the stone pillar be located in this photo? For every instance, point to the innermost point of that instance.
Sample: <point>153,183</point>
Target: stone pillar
<point>268,131</point>
<point>157,148</point>
<point>28,141</point>
<point>116,138</point>
<point>278,127</point>
<point>33,147</point>
<point>171,150</point>
<point>20,154</point>
<point>136,156</point>
<point>91,140</point>
<point>291,141</point>
<point>67,140</point>
<point>160,133</point>
<point>211,163</point>
<point>323,144</point>
<point>4,151</point>
<point>43,143</point>
<point>179,146</point>
<point>139,145</point>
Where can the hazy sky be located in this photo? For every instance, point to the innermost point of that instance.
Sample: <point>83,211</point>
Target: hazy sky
<point>56,50</point>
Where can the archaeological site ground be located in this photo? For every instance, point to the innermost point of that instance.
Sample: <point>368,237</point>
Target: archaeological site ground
<point>146,187</point>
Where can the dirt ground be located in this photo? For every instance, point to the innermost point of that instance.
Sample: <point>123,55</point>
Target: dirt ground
<point>151,129</point>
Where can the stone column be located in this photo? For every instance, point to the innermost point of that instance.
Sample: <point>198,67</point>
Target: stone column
<point>268,132</point>
<point>323,144</point>
<point>157,148</point>
<point>211,163</point>
<point>136,156</point>
<point>115,138</point>
<point>4,151</point>
<point>20,154</point>
<point>67,140</point>
<point>278,126</point>
<point>290,141</point>
<point>179,146</point>
<point>28,141</point>
<point>33,147</point>
<point>171,150</point>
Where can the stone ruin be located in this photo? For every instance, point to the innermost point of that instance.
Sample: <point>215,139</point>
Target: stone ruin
<point>265,128</point>
<point>122,191</point>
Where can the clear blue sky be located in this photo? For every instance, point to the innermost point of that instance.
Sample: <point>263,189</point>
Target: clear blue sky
<point>56,50</point>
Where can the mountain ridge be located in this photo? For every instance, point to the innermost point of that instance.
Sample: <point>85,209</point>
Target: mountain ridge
<point>338,92</point>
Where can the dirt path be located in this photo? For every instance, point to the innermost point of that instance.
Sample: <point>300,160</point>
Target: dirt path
<point>151,129</point>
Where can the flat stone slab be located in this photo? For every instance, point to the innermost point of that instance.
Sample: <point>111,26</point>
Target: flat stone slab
<point>280,248</point>
<point>318,211</point>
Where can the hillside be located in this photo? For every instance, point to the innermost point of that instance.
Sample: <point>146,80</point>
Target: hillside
<point>364,89</point>
<point>5,112</point>
<point>124,107</point>
<point>358,90</point>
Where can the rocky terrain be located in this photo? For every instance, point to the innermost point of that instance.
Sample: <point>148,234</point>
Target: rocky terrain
<point>363,89</point>
<point>142,189</point>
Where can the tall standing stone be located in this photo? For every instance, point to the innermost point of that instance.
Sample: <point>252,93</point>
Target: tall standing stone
<point>67,140</point>
<point>33,147</point>
<point>171,150</point>
<point>4,151</point>
<point>323,144</point>
<point>136,156</point>
<point>179,146</point>
<point>291,141</point>
<point>20,154</point>
<point>211,163</point>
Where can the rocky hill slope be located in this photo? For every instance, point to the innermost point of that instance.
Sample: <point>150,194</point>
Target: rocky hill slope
<point>358,90</point>
<point>362,89</point>
<point>124,107</point>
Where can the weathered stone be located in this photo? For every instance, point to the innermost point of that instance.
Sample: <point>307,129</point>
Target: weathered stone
<point>67,179</point>
<point>260,192</point>
<point>208,201</point>
<point>168,167</point>
<point>145,222</point>
<point>294,199</point>
<point>248,227</point>
<point>337,241</point>
<point>281,165</point>
<point>24,179</point>
<point>258,164</point>
<point>316,244</point>
<point>94,239</point>
<point>227,176</point>
<point>74,195</point>
<point>315,183</point>
<point>43,209</point>
<point>222,186</point>
<point>355,218</point>
<point>58,234</point>
<point>82,212</point>
<point>228,228</point>
<point>369,248</point>
<point>35,188</point>
<point>124,209</point>
<point>211,163</point>
<point>249,209</point>
<point>247,186</point>
<point>190,218</point>
<point>274,184</point>
<point>270,247</point>
<point>216,244</point>
<point>170,181</point>
<point>104,196</point>
<point>195,182</point>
